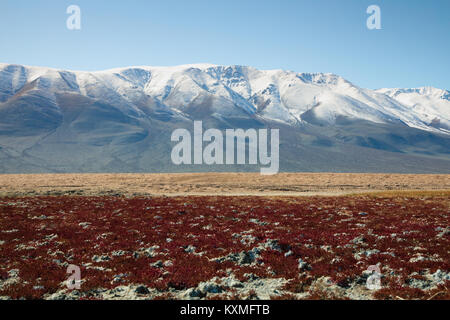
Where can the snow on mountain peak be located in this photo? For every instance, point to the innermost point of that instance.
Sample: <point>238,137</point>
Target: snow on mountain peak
<point>274,95</point>
<point>428,91</point>
<point>432,105</point>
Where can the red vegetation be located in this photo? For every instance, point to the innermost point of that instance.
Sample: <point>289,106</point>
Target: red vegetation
<point>176,243</point>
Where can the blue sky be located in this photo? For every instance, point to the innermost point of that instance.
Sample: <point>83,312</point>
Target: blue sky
<point>411,50</point>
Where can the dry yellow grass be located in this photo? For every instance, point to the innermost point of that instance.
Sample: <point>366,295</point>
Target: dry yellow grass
<point>234,184</point>
<point>407,193</point>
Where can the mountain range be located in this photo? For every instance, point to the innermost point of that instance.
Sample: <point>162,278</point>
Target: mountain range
<point>120,120</point>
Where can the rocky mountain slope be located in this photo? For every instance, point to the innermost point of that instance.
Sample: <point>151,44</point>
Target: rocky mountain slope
<point>120,120</point>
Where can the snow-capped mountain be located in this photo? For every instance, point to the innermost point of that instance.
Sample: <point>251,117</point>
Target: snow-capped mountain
<point>43,107</point>
<point>430,104</point>
<point>236,90</point>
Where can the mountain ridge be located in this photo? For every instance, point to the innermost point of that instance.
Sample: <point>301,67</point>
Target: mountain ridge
<point>248,88</point>
<point>122,117</point>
